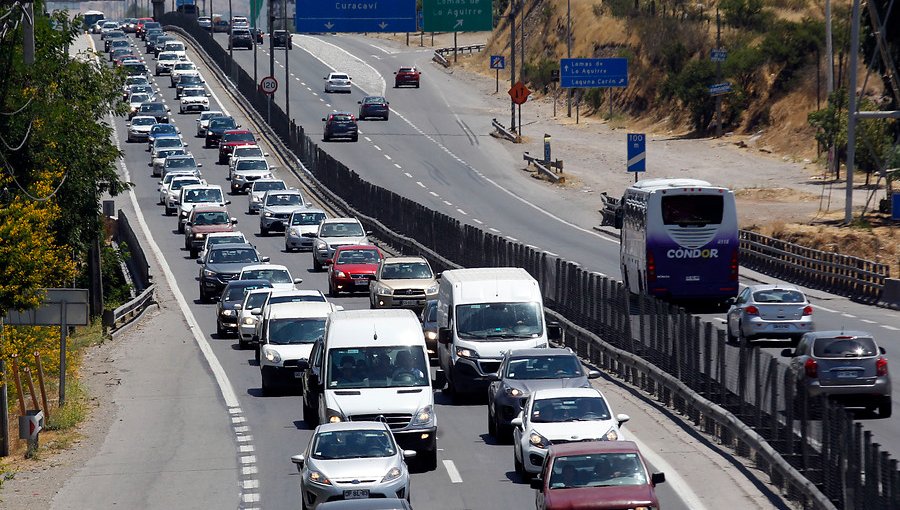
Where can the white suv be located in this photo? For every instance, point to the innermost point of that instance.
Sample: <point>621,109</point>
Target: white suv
<point>208,194</point>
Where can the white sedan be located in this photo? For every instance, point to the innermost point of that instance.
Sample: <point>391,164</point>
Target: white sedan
<point>561,415</point>
<point>278,275</point>
<point>337,82</point>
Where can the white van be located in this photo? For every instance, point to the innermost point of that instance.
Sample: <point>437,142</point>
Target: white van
<point>289,331</point>
<point>481,314</point>
<point>373,365</point>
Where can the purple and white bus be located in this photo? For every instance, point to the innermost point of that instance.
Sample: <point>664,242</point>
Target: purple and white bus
<point>679,240</point>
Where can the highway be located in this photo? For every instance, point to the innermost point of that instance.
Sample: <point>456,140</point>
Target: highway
<point>436,150</point>
<point>273,426</point>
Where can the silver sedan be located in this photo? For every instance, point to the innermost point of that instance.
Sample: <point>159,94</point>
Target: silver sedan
<point>769,311</point>
<point>352,460</point>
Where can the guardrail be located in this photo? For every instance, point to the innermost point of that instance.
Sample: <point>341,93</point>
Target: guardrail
<point>472,48</point>
<point>503,132</point>
<point>131,310</point>
<point>440,59</point>
<point>139,269</point>
<point>657,338</point>
<point>546,171</point>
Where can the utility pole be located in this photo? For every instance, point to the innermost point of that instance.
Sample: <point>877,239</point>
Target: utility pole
<point>255,45</point>
<point>4,402</point>
<point>718,74</point>
<point>829,74</point>
<point>28,32</point>
<point>230,46</point>
<point>569,52</point>
<point>512,62</point>
<point>271,56</point>
<point>287,61</point>
<point>851,111</point>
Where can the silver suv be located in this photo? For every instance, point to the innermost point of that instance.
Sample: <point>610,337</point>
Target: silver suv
<point>845,365</point>
<point>334,232</point>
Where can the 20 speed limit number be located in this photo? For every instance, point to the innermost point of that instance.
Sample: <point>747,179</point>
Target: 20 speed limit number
<point>268,85</point>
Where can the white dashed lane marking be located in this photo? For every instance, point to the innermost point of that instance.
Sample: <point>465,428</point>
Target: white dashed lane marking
<point>452,472</point>
<point>398,166</point>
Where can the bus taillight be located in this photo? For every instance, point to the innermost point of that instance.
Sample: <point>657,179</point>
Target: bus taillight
<point>651,267</point>
<point>734,265</point>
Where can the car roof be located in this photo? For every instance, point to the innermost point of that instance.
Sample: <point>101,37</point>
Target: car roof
<point>770,286</point>
<point>366,504</point>
<point>342,219</point>
<point>236,131</point>
<point>816,335</point>
<point>231,246</point>
<point>299,310</point>
<point>590,447</point>
<point>248,283</point>
<point>208,208</point>
<point>351,425</point>
<point>543,394</point>
<point>306,210</point>
<point>349,247</point>
<point>296,292</point>
<point>226,234</point>
<point>288,191</point>
<point>148,117</point>
<point>553,351</point>
<point>253,267</point>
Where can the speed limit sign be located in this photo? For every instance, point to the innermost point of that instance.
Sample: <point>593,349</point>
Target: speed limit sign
<point>268,85</point>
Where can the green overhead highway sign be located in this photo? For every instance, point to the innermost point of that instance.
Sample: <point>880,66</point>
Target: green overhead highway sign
<point>458,15</point>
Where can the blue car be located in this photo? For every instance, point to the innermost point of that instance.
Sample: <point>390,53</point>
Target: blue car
<point>162,131</point>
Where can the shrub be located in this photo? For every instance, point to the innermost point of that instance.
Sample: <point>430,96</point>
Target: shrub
<point>538,73</point>
<point>690,86</point>
<point>792,45</point>
<point>743,13</point>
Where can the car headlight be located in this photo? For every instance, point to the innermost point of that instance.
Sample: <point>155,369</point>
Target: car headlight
<point>515,392</point>
<point>431,335</point>
<point>183,214</point>
<point>538,440</point>
<point>209,274</point>
<point>464,352</point>
<point>319,478</point>
<point>255,198</point>
<point>320,245</point>
<point>425,416</point>
<point>268,215</point>
<point>432,290</point>
<point>198,235</point>
<point>611,435</point>
<point>393,474</point>
<point>334,416</point>
<point>267,176</point>
<point>295,231</point>
<point>340,274</point>
<point>385,290</point>
<point>272,355</point>
<point>227,313</point>
<point>249,321</point>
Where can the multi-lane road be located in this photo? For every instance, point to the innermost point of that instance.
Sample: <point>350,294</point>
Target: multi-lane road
<point>473,472</point>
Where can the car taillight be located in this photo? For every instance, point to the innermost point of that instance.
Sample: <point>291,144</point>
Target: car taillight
<point>807,310</point>
<point>751,310</point>
<point>733,267</point>
<point>651,267</point>
<point>811,368</point>
<point>881,366</point>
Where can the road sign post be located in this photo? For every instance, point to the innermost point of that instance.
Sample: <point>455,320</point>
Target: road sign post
<point>519,94</point>
<point>318,16</point>
<point>637,153</point>
<point>457,15</point>
<point>498,62</point>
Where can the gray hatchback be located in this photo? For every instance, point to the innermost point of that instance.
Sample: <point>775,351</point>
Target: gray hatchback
<point>845,365</point>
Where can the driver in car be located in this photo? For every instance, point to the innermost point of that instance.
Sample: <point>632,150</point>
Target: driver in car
<point>404,365</point>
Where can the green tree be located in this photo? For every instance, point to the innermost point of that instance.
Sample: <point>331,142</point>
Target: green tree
<point>691,87</point>
<point>743,13</point>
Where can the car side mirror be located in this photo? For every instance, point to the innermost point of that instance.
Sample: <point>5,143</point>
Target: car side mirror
<point>298,281</point>
<point>657,478</point>
<point>188,223</point>
<point>359,102</point>
<point>338,308</point>
<point>238,306</point>
<point>593,374</point>
<point>408,454</point>
<point>265,154</point>
<point>554,331</point>
<point>536,483</point>
<point>395,72</point>
<point>622,418</point>
<point>368,232</point>
<point>234,221</point>
<point>298,461</point>
<point>492,377</point>
<point>881,350</point>
<point>787,353</point>
<point>228,202</point>
<point>329,262</point>
<point>256,311</point>
<point>323,119</point>
<point>517,422</point>
<point>308,234</point>
<point>445,335</point>
<point>264,259</point>
<point>199,165</point>
<point>437,276</point>
<point>199,261</point>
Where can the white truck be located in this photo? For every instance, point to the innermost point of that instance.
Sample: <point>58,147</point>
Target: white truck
<point>481,314</point>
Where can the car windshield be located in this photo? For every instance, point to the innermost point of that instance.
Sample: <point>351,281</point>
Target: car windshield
<point>167,142</point>
<point>180,163</point>
<point>164,129</point>
<point>377,367</point>
<point>248,152</point>
<point>431,313</point>
<point>339,77</point>
<point>193,93</point>
<point>407,70</point>
<point>203,195</point>
<point>120,43</point>
<point>237,292</point>
<point>543,367</point>
<point>137,80</point>
<point>143,121</point>
<point>210,115</point>
<point>238,137</point>
<point>139,98</point>
<point>255,300</point>
<point>272,275</point>
<point>214,240</point>
<point>350,229</point>
<point>295,331</point>
<point>167,56</point>
<point>597,470</point>
<point>174,46</point>
<point>166,153</point>
<point>406,271</point>
<point>268,185</point>
<point>177,184</point>
<point>253,164</point>
<point>141,89</point>
<point>498,321</point>
<point>284,199</point>
<point>374,99</point>
<point>222,123</point>
<point>778,296</point>
<point>184,66</point>
<point>307,218</point>
<point>233,256</point>
<point>563,409</point>
<point>358,257</point>
<point>352,444</point>
<point>212,218</point>
<point>857,347</point>
<point>304,298</point>
<point>152,108</point>
<point>190,80</point>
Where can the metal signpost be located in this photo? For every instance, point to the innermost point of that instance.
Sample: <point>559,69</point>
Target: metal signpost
<point>498,62</point>
<point>392,16</point>
<point>458,15</point>
<point>519,94</point>
<point>637,153</point>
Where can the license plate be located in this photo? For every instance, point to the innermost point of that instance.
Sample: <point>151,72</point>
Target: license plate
<point>847,374</point>
<point>692,278</point>
<point>356,494</point>
<point>361,282</point>
<point>408,302</point>
<point>781,326</point>
<point>298,375</point>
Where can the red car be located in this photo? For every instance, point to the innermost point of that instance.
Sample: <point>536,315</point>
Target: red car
<point>352,267</point>
<point>231,139</point>
<point>139,27</point>
<point>406,76</point>
<point>596,475</point>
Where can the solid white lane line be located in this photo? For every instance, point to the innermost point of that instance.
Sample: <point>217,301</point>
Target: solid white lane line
<point>452,472</point>
<point>678,484</point>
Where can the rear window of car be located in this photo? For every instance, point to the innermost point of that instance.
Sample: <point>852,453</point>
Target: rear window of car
<point>374,99</point>
<point>407,70</point>
<point>779,296</point>
<point>856,347</point>
<point>339,77</point>
<point>222,123</point>
<point>341,118</point>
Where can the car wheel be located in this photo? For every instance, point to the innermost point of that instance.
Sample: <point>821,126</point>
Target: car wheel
<point>520,468</point>
<point>203,296</point>
<point>429,460</point>
<point>169,211</point>
<point>417,85</point>
<point>332,291</point>
<point>180,227</point>
<point>220,331</point>
<point>194,252</point>
<point>309,414</point>
<point>242,345</point>
<point>492,425</point>
<point>730,337</point>
<point>266,385</point>
<point>885,409</point>
<point>354,138</point>
<point>386,116</point>
<point>257,354</point>
<point>316,265</point>
<point>263,231</point>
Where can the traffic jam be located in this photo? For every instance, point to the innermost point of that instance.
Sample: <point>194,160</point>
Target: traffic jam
<point>366,378</point>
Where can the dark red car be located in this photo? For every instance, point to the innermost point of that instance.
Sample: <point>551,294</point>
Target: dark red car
<point>406,76</point>
<point>139,29</point>
<point>596,475</point>
<point>231,139</point>
<point>352,267</point>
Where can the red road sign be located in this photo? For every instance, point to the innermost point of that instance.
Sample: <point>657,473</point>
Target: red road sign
<point>519,93</point>
<point>268,85</point>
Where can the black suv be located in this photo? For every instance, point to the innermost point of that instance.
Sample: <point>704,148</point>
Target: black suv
<point>240,38</point>
<point>158,110</point>
<point>217,126</point>
<point>340,125</point>
<point>282,39</point>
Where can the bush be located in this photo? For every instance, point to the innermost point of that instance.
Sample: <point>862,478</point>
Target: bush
<point>743,13</point>
<point>792,45</point>
<point>690,86</point>
<point>538,73</point>
<point>116,289</point>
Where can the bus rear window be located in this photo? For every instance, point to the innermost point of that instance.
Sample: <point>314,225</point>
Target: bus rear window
<point>692,209</point>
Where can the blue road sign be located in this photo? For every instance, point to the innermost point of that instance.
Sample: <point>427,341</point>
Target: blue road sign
<point>498,62</point>
<point>718,55</point>
<point>593,72</point>
<point>637,152</point>
<point>355,16</point>
<point>895,206</point>
<point>719,89</point>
